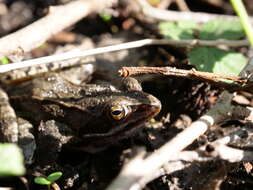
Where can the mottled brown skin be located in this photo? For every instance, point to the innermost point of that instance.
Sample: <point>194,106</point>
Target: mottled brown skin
<point>85,108</point>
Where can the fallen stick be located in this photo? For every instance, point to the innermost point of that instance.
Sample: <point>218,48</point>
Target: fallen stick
<point>168,15</point>
<point>173,71</point>
<point>59,18</point>
<point>118,47</point>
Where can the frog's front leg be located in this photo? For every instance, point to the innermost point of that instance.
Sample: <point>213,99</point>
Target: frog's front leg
<point>13,130</point>
<point>8,120</point>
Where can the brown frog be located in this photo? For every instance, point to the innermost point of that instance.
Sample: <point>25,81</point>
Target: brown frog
<point>98,115</point>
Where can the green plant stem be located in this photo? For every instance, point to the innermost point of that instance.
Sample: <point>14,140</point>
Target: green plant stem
<point>244,18</point>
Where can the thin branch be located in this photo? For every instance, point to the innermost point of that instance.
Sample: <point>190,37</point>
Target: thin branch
<point>221,151</point>
<point>36,70</point>
<point>59,18</point>
<point>182,5</point>
<point>166,15</point>
<point>173,71</point>
<point>241,83</point>
<point>231,154</point>
<point>123,46</point>
<point>164,4</point>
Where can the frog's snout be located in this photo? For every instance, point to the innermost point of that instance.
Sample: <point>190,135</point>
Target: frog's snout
<point>155,104</point>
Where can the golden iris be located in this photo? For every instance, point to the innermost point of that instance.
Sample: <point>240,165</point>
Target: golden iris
<point>118,112</point>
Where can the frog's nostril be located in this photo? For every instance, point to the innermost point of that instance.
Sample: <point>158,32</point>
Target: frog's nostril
<point>158,105</point>
<point>155,104</point>
<point>154,101</point>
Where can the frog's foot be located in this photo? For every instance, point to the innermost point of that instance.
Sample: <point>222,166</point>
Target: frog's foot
<point>8,121</point>
<point>15,130</point>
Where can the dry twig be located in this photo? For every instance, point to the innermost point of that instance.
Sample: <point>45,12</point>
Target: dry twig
<point>123,46</point>
<point>238,83</point>
<point>166,15</point>
<point>164,4</point>
<point>59,18</point>
<point>182,5</point>
<point>173,71</point>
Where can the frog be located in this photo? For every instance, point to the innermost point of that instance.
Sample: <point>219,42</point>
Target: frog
<point>98,115</point>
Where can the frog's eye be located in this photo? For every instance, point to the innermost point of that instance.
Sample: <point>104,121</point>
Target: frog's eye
<point>118,112</point>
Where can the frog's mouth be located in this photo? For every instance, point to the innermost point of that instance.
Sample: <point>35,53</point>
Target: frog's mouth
<point>134,121</point>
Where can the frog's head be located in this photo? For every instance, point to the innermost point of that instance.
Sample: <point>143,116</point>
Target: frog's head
<point>122,112</point>
<point>130,110</point>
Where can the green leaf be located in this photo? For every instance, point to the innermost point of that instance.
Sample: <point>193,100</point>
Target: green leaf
<point>4,60</point>
<point>11,160</point>
<point>42,181</point>
<point>215,60</point>
<point>54,176</point>
<point>176,31</point>
<point>105,17</point>
<point>221,29</point>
